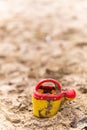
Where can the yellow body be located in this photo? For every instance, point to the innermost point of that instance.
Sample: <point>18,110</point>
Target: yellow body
<point>45,108</point>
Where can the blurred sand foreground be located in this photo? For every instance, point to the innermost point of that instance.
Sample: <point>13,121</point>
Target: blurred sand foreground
<point>40,39</point>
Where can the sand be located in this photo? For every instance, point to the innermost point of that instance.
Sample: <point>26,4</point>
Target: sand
<point>42,39</point>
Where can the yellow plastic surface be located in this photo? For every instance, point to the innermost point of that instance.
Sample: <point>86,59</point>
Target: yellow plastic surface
<point>45,108</point>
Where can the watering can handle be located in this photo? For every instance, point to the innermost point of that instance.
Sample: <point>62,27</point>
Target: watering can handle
<point>57,84</point>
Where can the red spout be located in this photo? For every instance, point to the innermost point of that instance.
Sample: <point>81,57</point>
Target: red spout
<point>70,93</point>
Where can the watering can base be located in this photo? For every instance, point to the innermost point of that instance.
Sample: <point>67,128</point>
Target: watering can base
<point>45,108</point>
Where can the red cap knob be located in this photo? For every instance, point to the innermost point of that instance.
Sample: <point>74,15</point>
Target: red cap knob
<point>71,93</point>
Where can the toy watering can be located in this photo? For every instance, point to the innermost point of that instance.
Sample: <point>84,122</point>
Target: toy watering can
<point>47,99</point>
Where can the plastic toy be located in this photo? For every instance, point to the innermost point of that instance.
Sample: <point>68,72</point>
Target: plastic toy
<point>47,99</point>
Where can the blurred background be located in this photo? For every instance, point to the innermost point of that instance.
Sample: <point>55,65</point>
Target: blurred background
<point>42,39</point>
